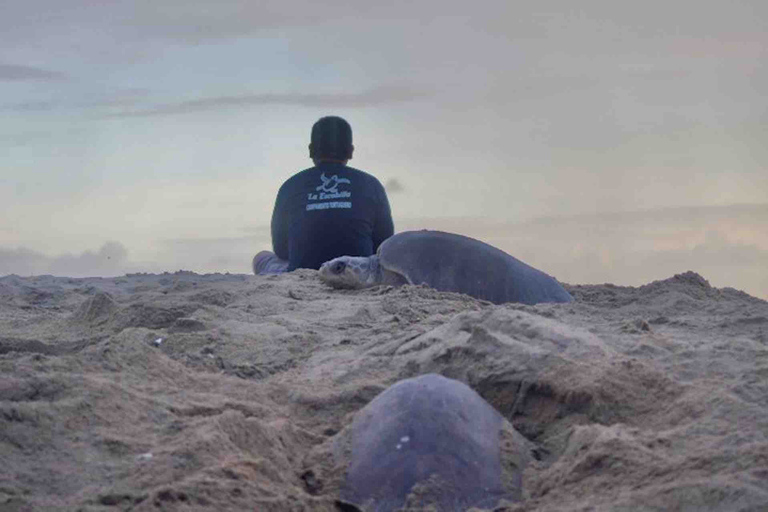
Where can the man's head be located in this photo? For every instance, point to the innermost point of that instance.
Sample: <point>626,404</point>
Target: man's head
<point>331,140</point>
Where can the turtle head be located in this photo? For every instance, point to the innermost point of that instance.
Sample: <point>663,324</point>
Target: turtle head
<point>349,272</point>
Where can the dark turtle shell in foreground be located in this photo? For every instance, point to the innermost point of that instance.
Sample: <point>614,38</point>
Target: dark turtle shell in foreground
<point>430,441</point>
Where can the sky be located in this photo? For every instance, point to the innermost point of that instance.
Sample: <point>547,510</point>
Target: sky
<point>599,141</point>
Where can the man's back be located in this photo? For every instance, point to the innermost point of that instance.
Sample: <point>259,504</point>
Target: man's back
<point>327,211</point>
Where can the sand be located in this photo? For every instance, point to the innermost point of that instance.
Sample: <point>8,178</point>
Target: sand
<point>224,392</point>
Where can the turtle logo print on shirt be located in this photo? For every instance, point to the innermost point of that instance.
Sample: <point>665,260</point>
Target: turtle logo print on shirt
<point>329,189</point>
<point>331,185</point>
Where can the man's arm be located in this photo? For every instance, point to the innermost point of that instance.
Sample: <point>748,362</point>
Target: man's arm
<point>383,226</point>
<point>280,227</point>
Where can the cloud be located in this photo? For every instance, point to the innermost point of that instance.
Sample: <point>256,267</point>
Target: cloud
<point>117,98</point>
<point>197,20</point>
<point>109,260</point>
<point>25,138</point>
<point>189,20</point>
<point>393,186</point>
<point>378,96</point>
<point>724,263</point>
<point>14,73</point>
<point>31,106</point>
<point>204,255</point>
<point>223,254</point>
<point>756,213</point>
<point>23,261</point>
<point>728,245</point>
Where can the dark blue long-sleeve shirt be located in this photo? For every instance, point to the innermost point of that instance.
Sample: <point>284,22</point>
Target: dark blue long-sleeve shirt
<point>328,211</point>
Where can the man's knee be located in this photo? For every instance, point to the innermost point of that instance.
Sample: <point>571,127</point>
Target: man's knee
<point>267,262</point>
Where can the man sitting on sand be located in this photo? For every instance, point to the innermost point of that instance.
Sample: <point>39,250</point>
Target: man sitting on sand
<point>328,210</point>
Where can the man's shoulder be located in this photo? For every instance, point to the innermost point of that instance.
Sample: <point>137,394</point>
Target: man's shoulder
<point>298,177</point>
<point>302,174</point>
<point>352,171</point>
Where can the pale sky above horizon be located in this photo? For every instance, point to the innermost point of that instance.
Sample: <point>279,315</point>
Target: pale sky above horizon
<point>597,140</point>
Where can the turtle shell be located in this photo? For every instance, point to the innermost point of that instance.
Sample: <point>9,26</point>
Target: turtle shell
<point>431,441</point>
<point>457,263</point>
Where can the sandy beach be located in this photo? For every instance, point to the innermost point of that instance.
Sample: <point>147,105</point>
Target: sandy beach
<point>225,392</point>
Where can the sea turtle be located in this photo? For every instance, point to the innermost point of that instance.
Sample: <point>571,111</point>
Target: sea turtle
<point>430,441</point>
<point>446,262</point>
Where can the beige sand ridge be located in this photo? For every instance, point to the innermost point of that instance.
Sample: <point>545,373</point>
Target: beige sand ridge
<point>226,392</point>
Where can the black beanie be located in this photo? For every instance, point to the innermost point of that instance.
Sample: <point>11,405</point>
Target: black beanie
<point>331,138</point>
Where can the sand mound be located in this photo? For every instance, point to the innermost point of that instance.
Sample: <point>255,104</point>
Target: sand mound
<point>226,392</point>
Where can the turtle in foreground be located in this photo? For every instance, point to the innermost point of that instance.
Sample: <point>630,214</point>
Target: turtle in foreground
<point>430,441</point>
<point>446,262</point>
